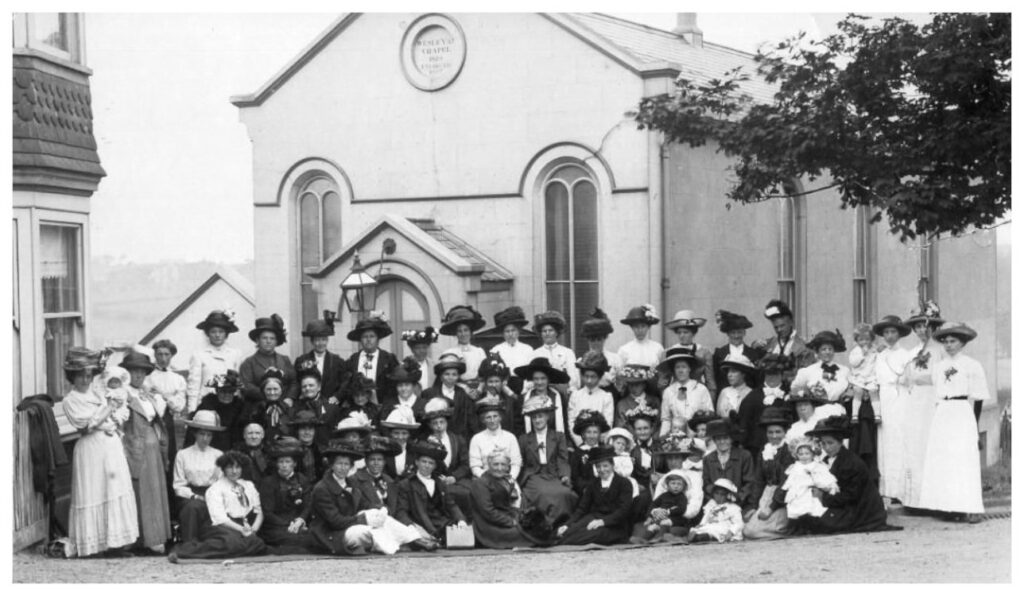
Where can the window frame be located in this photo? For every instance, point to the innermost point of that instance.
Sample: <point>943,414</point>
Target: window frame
<point>76,316</point>
<point>24,36</point>
<point>863,265</point>
<point>790,288</point>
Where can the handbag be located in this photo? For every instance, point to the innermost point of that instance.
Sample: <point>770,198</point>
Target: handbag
<point>456,537</point>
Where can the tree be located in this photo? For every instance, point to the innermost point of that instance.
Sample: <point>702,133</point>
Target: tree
<point>913,120</point>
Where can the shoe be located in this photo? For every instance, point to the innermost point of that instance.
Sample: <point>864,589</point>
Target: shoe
<point>423,544</point>
<point>637,540</point>
<point>973,518</point>
<point>173,557</point>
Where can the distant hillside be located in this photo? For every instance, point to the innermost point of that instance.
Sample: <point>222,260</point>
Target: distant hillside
<point>129,299</point>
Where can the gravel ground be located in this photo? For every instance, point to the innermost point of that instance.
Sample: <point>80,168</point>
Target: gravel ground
<point>927,550</point>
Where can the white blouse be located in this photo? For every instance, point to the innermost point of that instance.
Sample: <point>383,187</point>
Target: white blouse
<point>730,398</point>
<point>513,355</point>
<point>598,400</point>
<point>472,356</point>
<point>196,468</point>
<point>960,375</point>
<point>678,407</point>
<point>647,352</point>
<point>206,364</point>
<point>223,502</point>
<point>170,386</point>
<point>485,441</point>
<point>890,365</point>
<point>614,367</point>
<point>809,376</point>
<point>562,358</point>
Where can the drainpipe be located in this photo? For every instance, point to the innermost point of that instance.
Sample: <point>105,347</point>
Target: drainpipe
<point>656,229</point>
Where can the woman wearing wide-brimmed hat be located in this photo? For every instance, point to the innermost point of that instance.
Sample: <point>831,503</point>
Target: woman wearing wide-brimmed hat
<point>338,525</point>
<point>951,480</point>
<point>419,342</point>
<point>857,507</point>
<point>490,410</point>
<point>635,379</point>
<point>591,427</point>
<point>425,502</point>
<point>145,444</point>
<point>461,322</point>
<point>103,515</point>
<point>641,349</point>
<point>921,399</point>
<point>603,512</point>
<point>449,368</point>
<point>398,426</point>
<point>333,372</point>
<point>684,395</point>
<point>371,360</point>
<point>741,401</point>
<point>286,496</point>
<point>590,396</point>
<point>268,333</point>
<point>595,329</point>
<point>894,469</point>
<point>770,520</point>
<point>825,377</point>
<point>545,380</point>
<point>453,470</point>
<point>545,476</point>
<point>360,396</point>
<point>805,407</point>
<point>734,326</point>
<point>216,358</point>
<point>195,469</point>
<point>513,353</point>
<point>303,426</point>
<point>227,402</point>
<point>406,378</point>
<point>550,325</point>
<point>378,487</point>
<point>685,323</point>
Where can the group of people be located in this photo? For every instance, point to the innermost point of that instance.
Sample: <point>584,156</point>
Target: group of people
<point>519,447</point>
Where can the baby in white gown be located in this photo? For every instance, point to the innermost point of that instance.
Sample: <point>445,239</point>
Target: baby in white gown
<point>803,475</point>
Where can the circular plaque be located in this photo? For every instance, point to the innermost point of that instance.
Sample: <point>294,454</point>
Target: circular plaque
<point>433,52</point>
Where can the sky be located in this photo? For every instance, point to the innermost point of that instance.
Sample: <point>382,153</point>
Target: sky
<point>178,161</point>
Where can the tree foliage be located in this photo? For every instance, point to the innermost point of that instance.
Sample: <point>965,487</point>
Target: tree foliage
<point>913,120</point>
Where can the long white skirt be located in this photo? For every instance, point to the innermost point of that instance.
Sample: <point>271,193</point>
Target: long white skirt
<point>103,514</point>
<point>952,466</point>
<point>920,410</point>
<point>894,478</point>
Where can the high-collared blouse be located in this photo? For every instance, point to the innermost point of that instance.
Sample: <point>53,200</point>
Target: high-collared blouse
<point>562,358</point>
<point>730,398</point>
<point>834,383</point>
<point>513,355</point>
<point>958,376</point>
<point>597,399</point>
<point>193,467</point>
<point>225,500</point>
<point>170,386</point>
<point>647,352</point>
<point>472,356</point>
<point>890,365</point>
<point>206,364</point>
<point>678,406</point>
<point>922,362</point>
<point>485,441</point>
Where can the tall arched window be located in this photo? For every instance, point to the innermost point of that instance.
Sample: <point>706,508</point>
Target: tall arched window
<point>928,279</point>
<point>862,265</point>
<point>319,232</point>
<point>791,247</point>
<point>571,249</point>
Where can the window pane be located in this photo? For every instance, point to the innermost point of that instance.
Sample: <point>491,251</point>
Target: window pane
<point>309,230</point>
<point>58,336</point>
<point>860,301</point>
<point>558,299</point>
<point>59,263</point>
<point>860,242</point>
<point>584,222</point>
<point>332,223</point>
<point>586,302</point>
<point>51,28</point>
<point>556,223</point>
<point>309,308</point>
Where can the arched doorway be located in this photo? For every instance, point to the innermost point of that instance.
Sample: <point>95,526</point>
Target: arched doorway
<point>405,307</point>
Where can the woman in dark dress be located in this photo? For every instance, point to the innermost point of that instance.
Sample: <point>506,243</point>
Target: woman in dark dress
<point>227,402</point>
<point>359,399</point>
<point>326,408</point>
<point>590,425</point>
<point>857,507</point>
<point>496,502</point>
<point>770,520</point>
<point>310,461</point>
<point>287,500</point>
<point>253,447</point>
<point>272,412</point>
<point>545,475</point>
<point>267,334</point>
<point>602,515</point>
<point>338,525</point>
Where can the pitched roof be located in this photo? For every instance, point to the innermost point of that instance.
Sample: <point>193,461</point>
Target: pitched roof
<point>232,278</point>
<point>492,271</point>
<point>646,51</point>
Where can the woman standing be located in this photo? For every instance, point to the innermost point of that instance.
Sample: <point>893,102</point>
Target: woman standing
<point>952,472</point>
<point>684,396</point>
<point>825,377</point>
<point>461,322</point>
<point>215,359</point>
<point>921,400</point>
<point>268,333</point>
<point>549,326</point>
<point>512,351</point>
<point>686,324</point>
<point>892,399</point>
<point>145,444</point>
<point>103,512</point>
<point>545,476</point>
<point>418,341</point>
<point>641,349</point>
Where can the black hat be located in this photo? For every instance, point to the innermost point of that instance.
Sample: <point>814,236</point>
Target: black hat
<point>728,321</point>
<point>891,321</point>
<point>593,360</point>
<point>274,323</point>
<point>461,315</point>
<point>832,338</point>
<point>306,369</point>
<point>512,315</point>
<point>587,418</point>
<point>777,308</point>
<point>701,417</point>
<point>360,383</point>
<point>775,364</point>
<point>276,373</point>
<point>597,325</point>
<point>836,426</point>
<point>541,364</point>
<point>926,313</point>
<point>413,337</point>
<point>337,447</point>
<point>677,354</point>
<point>775,416</point>
<point>489,403</point>
<point>219,318</point>
<point>228,382</point>
<point>383,445</point>
<point>318,328</point>
<point>493,366</point>
<point>641,314</point>
<point>304,418</point>
<point>285,447</point>
<point>450,359</point>
<point>601,453</point>
<point>138,361</point>
<point>719,427</point>
<point>551,317</point>
<point>435,451</point>
<point>408,371</point>
<point>376,321</point>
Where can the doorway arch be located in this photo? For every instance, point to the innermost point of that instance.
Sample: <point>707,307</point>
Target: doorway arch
<point>406,308</point>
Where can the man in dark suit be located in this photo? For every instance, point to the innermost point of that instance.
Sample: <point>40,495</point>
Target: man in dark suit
<point>424,500</point>
<point>334,374</point>
<point>735,327</point>
<point>373,362</point>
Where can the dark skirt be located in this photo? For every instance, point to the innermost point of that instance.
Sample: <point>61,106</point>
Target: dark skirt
<point>550,496</point>
<point>460,493</point>
<point>285,542</point>
<point>577,533</point>
<point>864,440</point>
<point>220,542</point>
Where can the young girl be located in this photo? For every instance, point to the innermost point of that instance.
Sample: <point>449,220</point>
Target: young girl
<point>723,520</point>
<point>803,475</point>
<point>592,366</point>
<point>862,372</point>
<point>635,378</point>
<point>684,397</point>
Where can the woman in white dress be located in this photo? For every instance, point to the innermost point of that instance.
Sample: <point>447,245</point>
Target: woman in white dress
<point>921,393</point>
<point>549,326</point>
<point>825,377</point>
<point>513,352</point>
<point>461,322</point>
<point>894,481</point>
<point>492,438</point>
<point>952,471</point>
<point>641,349</point>
<point>215,359</point>
<point>103,516</point>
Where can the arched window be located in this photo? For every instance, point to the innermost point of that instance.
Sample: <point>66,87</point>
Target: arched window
<point>862,266</point>
<point>792,237</point>
<point>571,247</point>
<point>319,232</point>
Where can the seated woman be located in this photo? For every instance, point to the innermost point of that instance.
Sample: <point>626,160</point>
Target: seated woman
<point>641,422</point>
<point>857,506</point>
<point>602,514</point>
<point>424,501</point>
<point>742,402</point>
<point>497,507</point>
<point>448,370</point>
<point>379,492</point>
<point>454,469</point>
<point>326,407</point>
<point>545,380</point>
<point>272,412</point>
<point>303,426</point>
<point>770,521</point>
<point>684,396</point>
<point>286,496</point>
<point>636,378</point>
<point>195,470</point>
<point>338,525</point>
<point>590,425</point>
<point>398,426</point>
<point>492,437</point>
<point>235,517</point>
<point>253,447</point>
<point>227,402</point>
<point>805,405</point>
<point>731,462</point>
<point>545,476</point>
<point>360,399</point>
<point>406,378</point>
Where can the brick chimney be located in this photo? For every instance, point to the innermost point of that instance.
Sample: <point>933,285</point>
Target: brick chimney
<point>686,27</point>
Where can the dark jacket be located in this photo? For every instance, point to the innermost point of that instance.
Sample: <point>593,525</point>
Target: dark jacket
<point>232,418</point>
<point>739,469</point>
<point>582,471</point>
<point>264,412</point>
<point>857,507</point>
<point>283,502</point>
<point>311,463</point>
<point>641,474</point>
<point>459,468</point>
<point>46,448</point>
<point>771,473</point>
<point>391,470</point>
<point>676,505</point>
<point>386,363</point>
<point>433,513</point>
<point>335,376</point>
<point>718,357</point>
<point>328,414</point>
<point>252,369</point>
<point>335,510</point>
<point>495,521</point>
<point>751,434</point>
<point>556,451</point>
<point>464,421</point>
<point>611,505</point>
<point>374,496</point>
<point>257,467</point>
